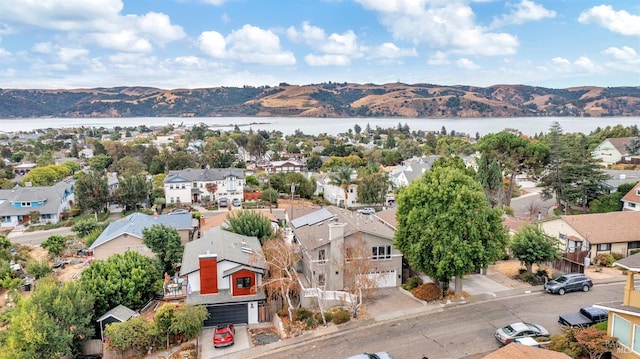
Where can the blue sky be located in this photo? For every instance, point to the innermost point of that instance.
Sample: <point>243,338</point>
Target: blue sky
<point>208,43</point>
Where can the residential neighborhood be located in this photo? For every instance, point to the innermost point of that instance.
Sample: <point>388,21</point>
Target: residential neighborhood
<point>288,235</point>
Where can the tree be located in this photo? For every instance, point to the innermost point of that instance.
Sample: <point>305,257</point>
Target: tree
<point>38,268</point>
<point>250,223</point>
<point>130,279</point>
<point>515,155</point>
<point>54,322</point>
<point>281,277</point>
<point>85,226</point>
<point>633,147</point>
<point>256,145</point>
<point>188,320</point>
<point>610,202</point>
<point>446,226</point>
<point>100,162</point>
<point>343,179</point>
<point>166,244</point>
<point>532,246</point>
<point>92,192</point>
<point>409,148</point>
<point>357,266</point>
<point>132,190</point>
<point>55,244</point>
<point>595,342</point>
<point>490,178</point>
<point>314,162</point>
<point>373,186</point>
<point>134,334</point>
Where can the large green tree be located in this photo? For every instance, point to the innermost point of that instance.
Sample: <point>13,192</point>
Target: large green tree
<point>374,185</point>
<point>92,192</point>
<point>532,246</point>
<point>166,244</point>
<point>343,178</point>
<point>132,190</point>
<point>55,321</point>
<point>446,226</point>
<point>130,279</point>
<point>490,178</point>
<point>250,223</point>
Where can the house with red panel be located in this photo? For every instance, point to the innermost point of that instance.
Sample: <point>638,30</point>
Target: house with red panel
<point>224,272</point>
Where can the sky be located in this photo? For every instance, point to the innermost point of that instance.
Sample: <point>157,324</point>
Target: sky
<point>169,44</point>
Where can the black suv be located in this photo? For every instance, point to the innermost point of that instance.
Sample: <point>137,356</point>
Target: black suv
<point>569,282</point>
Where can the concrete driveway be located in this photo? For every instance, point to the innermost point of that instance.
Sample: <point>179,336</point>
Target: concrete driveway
<point>242,342</point>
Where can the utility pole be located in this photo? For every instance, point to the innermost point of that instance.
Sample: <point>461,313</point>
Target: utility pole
<point>270,192</point>
<point>293,189</point>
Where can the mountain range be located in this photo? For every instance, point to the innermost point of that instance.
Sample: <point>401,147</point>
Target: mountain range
<point>324,100</point>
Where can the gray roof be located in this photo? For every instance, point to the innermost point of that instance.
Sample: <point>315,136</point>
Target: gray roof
<point>52,196</point>
<point>228,246</point>
<point>631,262</point>
<point>223,297</point>
<point>134,223</point>
<point>203,175</point>
<point>120,312</point>
<point>315,235</point>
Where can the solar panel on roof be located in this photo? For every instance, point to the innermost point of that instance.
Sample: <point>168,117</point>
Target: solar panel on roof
<point>312,218</point>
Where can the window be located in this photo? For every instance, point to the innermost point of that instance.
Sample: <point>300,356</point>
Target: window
<point>322,256</point>
<point>633,245</point>
<point>170,186</point>
<point>631,205</point>
<point>321,279</point>
<point>183,186</point>
<point>636,339</point>
<point>25,204</point>
<point>348,253</point>
<point>621,330</point>
<point>381,252</point>
<point>604,247</point>
<point>244,282</point>
<point>6,219</point>
<point>172,200</point>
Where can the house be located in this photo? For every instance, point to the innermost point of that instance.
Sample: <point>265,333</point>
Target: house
<point>194,185</point>
<point>18,203</point>
<point>324,236</point>
<point>631,200</point>
<point>224,271</point>
<point>403,175</point>
<point>624,315</point>
<point>520,351</point>
<point>23,168</point>
<point>113,182</point>
<point>595,233</point>
<point>611,150</point>
<point>335,194</point>
<point>284,166</point>
<point>85,153</point>
<point>118,314</point>
<point>126,234</point>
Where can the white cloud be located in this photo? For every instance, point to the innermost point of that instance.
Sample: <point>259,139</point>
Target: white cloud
<point>327,60</point>
<point>213,2</point>
<point>124,40</point>
<point>466,64</point>
<point>67,54</point>
<point>159,27</point>
<point>43,48</point>
<point>190,61</point>
<point>524,11</point>
<point>561,61</point>
<point>439,58</point>
<point>441,24</point>
<point>389,50</point>
<point>249,44</point>
<point>4,52</point>
<point>309,34</point>
<point>620,22</point>
<point>581,65</point>
<point>625,54</point>
<point>585,63</point>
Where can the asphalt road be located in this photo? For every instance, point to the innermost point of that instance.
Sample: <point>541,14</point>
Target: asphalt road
<point>528,206</point>
<point>37,237</point>
<point>457,332</point>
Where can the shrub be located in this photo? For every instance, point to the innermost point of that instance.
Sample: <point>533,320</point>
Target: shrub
<point>327,316</point>
<point>604,259</point>
<point>188,346</point>
<point>634,251</point>
<point>341,316</point>
<point>528,277</point>
<point>522,271</point>
<point>302,314</point>
<point>508,210</point>
<point>617,256</point>
<point>601,326</point>
<point>309,322</point>
<point>542,273</point>
<point>413,282</point>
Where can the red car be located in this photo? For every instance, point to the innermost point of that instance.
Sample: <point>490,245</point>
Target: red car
<point>223,335</point>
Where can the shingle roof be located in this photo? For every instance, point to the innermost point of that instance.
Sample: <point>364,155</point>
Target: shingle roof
<point>204,175</point>
<point>52,195</point>
<point>632,196</point>
<point>519,351</point>
<point>620,143</point>
<point>612,227</point>
<point>316,235</point>
<point>388,216</point>
<point>631,262</point>
<point>133,224</point>
<point>120,312</point>
<point>228,246</point>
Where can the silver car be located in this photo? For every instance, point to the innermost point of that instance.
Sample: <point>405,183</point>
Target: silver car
<point>378,355</point>
<point>513,331</point>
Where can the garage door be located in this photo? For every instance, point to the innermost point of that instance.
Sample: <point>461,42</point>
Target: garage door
<point>233,313</point>
<point>384,279</point>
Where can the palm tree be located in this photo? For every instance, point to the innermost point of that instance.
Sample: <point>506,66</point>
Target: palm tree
<point>342,178</point>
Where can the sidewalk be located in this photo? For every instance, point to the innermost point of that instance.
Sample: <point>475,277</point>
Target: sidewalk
<point>397,303</point>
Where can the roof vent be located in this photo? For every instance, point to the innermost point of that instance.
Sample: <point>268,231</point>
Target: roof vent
<point>246,249</point>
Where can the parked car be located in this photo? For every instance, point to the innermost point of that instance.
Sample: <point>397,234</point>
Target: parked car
<point>378,355</point>
<point>587,316</point>
<point>223,202</point>
<point>236,202</point>
<point>513,331</point>
<point>223,335</point>
<point>569,282</point>
<point>367,210</point>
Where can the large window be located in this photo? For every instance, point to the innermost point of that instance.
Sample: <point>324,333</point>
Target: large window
<point>322,255</point>
<point>243,282</point>
<point>381,252</point>
<point>621,330</point>
<point>633,245</point>
<point>604,247</point>
<point>636,339</point>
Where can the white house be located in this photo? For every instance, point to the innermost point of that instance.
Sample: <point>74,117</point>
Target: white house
<point>194,185</point>
<point>611,150</point>
<point>17,204</point>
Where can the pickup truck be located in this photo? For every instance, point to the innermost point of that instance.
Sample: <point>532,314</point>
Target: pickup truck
<point>585,317</point>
